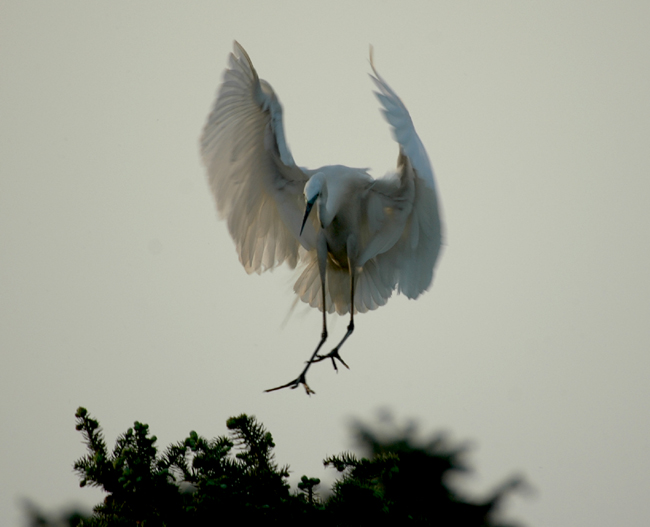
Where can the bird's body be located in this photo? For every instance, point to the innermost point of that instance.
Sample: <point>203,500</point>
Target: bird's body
<point>368,236</point>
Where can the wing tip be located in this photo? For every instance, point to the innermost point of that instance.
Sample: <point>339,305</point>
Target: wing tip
<point>374,75</point>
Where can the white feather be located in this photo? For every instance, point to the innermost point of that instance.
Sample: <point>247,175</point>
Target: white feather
<point>387,231</point>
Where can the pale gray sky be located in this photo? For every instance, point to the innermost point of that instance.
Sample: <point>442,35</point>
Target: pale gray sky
<point>120,291</point>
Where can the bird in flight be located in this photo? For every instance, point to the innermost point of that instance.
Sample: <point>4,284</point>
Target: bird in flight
<point>354,239</point>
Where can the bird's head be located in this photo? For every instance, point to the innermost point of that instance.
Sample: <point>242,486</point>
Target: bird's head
<point>313,190</point>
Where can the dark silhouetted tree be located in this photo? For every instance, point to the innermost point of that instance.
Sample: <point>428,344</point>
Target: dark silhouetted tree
<point>234,478</point>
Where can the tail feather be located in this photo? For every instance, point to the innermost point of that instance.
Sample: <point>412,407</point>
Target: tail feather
<point>372,289</point>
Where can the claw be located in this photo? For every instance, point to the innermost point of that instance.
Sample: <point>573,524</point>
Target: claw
<point>293,385</point>
<point>333,356</point>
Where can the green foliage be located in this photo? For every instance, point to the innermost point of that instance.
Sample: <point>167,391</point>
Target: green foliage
<point>307,486</point>
<point>192,481</point>
<point>403,480</point>
<point>235,477</point>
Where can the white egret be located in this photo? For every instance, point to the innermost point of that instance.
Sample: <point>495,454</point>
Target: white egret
<point>368,236</point>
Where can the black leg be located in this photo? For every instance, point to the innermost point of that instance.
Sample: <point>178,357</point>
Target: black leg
<point>334,354</point>
<point>302,378</point>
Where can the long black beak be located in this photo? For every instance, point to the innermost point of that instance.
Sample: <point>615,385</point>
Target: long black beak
<point>310,204</point>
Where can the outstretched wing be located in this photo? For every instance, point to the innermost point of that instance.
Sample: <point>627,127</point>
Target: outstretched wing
<point>405,231</point>
<point>256,184</point>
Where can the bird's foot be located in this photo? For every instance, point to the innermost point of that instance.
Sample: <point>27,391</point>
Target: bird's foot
<point>294,384</point>
<point>334,356</point>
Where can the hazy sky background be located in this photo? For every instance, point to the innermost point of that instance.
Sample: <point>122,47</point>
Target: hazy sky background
<point>120,291</point>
